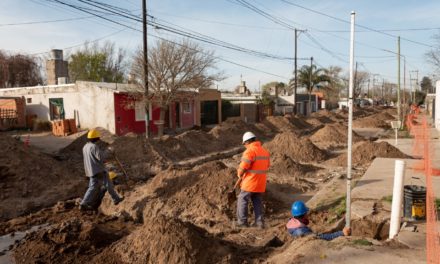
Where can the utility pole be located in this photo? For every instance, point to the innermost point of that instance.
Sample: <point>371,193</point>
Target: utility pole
<point>398,78</point>
<point>296,66</point>
<point>311,85</point>
<point>383,84</point>
<point>417,84</point>
<point>368,88</point>
<point>413,91</point>
<point>404,79</point>
<point>147,96</point>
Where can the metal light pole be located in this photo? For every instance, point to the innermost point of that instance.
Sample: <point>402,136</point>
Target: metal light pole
<point>398,79</point>
<point>350,123</point>
<point>147,102</point>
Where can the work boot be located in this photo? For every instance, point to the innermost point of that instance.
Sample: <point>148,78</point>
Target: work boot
<point>84,208</point>
<point>259,225</point>
<point>118,201</point>
<point>238,225</point>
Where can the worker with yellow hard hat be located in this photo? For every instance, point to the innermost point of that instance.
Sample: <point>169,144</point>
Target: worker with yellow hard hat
<point>94,167</point>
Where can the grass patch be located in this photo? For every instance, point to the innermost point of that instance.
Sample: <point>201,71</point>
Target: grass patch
<point>340,208</point>
<point>437,202</point>
<point>362,242</point>
<point>388,198</point>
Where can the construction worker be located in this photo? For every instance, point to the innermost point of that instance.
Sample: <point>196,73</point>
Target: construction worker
<point>298,225</point>
<point>252,171</point>
<point>99,181</point>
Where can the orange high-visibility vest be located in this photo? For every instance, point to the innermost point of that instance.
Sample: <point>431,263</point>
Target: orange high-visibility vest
<point>255,162</point>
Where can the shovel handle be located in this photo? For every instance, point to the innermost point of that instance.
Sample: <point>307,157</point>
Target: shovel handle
<point>122,168</point>
<point>237,183</point>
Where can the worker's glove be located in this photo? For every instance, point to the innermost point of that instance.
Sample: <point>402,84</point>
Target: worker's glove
<point>346,231</point>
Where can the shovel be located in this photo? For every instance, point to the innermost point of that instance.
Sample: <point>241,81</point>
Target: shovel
<point>122,168</point>
<point>231,195</point>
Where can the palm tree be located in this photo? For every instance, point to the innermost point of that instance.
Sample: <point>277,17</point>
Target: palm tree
<point>310,76</point>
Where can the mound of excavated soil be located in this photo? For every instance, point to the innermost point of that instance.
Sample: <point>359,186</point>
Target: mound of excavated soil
<point>31,180</point>
<point>298,148</point>
<point>284,165</point>
<point>370,122</point>
<point>300,123</point>
<point>385,116</point>
<point>333,135</point>
<point>364,153</point>
<point>74,240</point>
<point>229,133</point>
<point>138,156</point>
<point>167,240</point>
<point>323,117</point>
<point>289,174</point>
<point>198,195</point>
<point>281,124</point>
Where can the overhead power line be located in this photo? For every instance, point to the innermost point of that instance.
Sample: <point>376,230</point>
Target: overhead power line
<point>135,18</point>
<point>162,26</point>
<point>358,25</point>
<point>45,21</point>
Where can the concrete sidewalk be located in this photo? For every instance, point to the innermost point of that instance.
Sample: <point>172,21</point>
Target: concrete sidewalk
<point>378,180</point>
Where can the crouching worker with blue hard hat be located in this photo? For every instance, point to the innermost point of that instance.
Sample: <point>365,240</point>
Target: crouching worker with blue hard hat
<point>298,225</point>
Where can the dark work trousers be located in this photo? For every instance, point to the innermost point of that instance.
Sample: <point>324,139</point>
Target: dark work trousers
<point>242,207</point>
<point>98,185</point>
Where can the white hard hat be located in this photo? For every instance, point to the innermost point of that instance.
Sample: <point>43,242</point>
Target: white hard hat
<point>248,135</point>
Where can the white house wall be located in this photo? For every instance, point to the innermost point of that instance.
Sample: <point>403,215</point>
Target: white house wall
<point>97,107</point>
<point>93,101</point>
<point>40,96</point>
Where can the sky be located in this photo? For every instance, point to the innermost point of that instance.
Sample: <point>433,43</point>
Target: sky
<point>326,36</point>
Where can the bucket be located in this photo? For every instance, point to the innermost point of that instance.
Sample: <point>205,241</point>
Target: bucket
<point>414,202</point>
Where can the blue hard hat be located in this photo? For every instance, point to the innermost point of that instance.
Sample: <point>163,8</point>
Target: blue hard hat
<point>299,208</point>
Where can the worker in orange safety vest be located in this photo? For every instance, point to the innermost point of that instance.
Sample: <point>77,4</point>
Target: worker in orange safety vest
<point>252,171</point>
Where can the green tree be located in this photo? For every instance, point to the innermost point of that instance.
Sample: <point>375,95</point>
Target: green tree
<point>98,64</point>
<point>334,86</point>
<point>311,77</point>
<point>426,85</point>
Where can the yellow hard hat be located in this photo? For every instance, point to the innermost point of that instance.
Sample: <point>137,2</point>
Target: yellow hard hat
<point>112,175</point>
<point>93,134</point>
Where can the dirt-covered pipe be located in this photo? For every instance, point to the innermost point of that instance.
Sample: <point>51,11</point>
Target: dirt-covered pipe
<point>396,207</point>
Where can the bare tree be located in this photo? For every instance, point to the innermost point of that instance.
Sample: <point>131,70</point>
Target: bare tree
<point>19,70</point>
<point>433,55</point>
<point>175,71</point>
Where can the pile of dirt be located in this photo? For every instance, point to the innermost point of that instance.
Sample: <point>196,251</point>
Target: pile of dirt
<point>290,175</point>
<point>364,153</point>
<point>283,165</point>
<point>333,136</point>
<point>300,123</point>
<point>298,148</point>
<point>325,117</point>
<point>198,195</point>
<point>229,132</point>
<point>370,122</point>
<point>168,240</point>
<point>74,240</point>
<point>139,157</point>
<point>31,180</point>
<point>385,116</point>
<point>280,124</point>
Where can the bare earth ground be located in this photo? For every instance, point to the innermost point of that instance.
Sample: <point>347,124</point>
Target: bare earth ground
<point>176,208</point>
